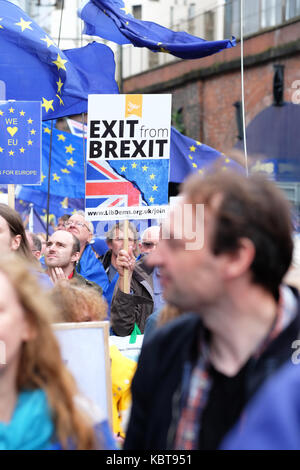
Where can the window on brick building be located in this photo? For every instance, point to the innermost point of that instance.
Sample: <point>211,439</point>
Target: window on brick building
<point>271,13</point>
<point>209,25</point>
<point>137,11</point>
<point>153,59</point>
<point>292,9</point>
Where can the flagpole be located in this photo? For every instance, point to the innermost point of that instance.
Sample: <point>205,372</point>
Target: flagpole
<point>10,187</point>
<point>125,247</point>
<point>50,147</point>
<point>243,87</point>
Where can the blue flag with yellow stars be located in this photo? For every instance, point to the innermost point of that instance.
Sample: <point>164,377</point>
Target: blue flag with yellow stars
<point>67,174</point>
<point>20,142</point>
<point>110,19</point>
<point>189,156</point>
<point>33,68</point>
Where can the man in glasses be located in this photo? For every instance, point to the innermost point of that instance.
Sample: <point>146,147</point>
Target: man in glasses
<point>149,239</point>
<point>88,265</point>
<point>145,295</point>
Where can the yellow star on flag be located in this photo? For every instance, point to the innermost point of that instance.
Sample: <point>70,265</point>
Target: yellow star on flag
<point>144,168</point>
<point>56,177</point>
<point>151,199</point>
<point>11,110</point>
<point>1,27</point>
<point>227,160</point>
<point>59,62</point>
<point>1,113</point>
<point>190,157</point>
<point>154,188</point>
<point>47,104</point>
<point>48,41</point>
<point>64,203</point>
<point>1,150</point>
<point>42,177</point>
<point>61,137</point>
<point>152,176</point>
<point>192,148</point>
<point>59,85</point>
<point>198,143</point>
<point>126,10</point>
<point>134,165</point>
<point>30,121</point>
<point>29,142</point>
<point>24,24</point>
<point>70,162</point>
<point>11,152</point>
<point>64,170</point>
<point>194,165</point>
<point>22,113</point>
<point>32,132</point>
<point>123,168</point>
<point>22,150</point>
<point>60,100</point>
<point>47,130</point>
<point>69,149</point>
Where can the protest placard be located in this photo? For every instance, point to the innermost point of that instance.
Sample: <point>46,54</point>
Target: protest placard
<point>128,151</point>
<point>85,351</point>
<point>20,142</point>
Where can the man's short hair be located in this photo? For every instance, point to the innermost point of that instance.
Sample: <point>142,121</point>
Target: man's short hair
<point>120,225</point>
<point>252,208</point>
<point>76,244</point>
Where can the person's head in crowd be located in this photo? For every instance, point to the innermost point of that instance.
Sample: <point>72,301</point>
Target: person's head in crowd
<point>247,241</point>
<point>115,239</point>
<point>35,244</point>
<point>42,237</point>
<point>33,376</point>
<point>61,222</point>
<point>81,228</point>
<point>12,233</point>
<point>77,303</point>
<point>62,251</point>
<point>149,239</point>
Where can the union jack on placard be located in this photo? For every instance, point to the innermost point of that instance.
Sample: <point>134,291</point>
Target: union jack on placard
<point>106,188</point>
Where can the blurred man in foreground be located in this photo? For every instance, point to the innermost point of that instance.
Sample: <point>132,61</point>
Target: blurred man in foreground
<point>197,373</point>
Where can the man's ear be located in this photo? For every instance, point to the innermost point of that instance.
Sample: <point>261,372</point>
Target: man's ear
<point>75,257</point>
<point>16,242</point>
<point>240,261</point>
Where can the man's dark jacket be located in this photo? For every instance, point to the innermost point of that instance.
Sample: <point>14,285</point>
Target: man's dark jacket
<point>156,387</point>
<point>85,282</point>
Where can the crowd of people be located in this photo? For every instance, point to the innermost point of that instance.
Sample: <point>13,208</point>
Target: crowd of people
<point>219,315</point>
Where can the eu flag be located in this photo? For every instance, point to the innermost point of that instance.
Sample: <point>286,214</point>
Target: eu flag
<point>109,19</point>
<point>66,178</point>
<point>33,68</point>
<point>189,156</point>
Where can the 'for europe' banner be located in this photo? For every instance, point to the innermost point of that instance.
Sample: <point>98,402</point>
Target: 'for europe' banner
<point>128,156</point>
<point>20,142</point>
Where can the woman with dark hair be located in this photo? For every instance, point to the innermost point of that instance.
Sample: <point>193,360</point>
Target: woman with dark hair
<point>12,232</point>
<point>13,238</point>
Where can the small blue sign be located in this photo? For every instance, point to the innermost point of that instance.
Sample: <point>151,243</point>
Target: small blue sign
<point>20,142</point>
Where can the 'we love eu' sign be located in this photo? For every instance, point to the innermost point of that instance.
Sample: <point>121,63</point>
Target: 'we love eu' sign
<point>20,142</point>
